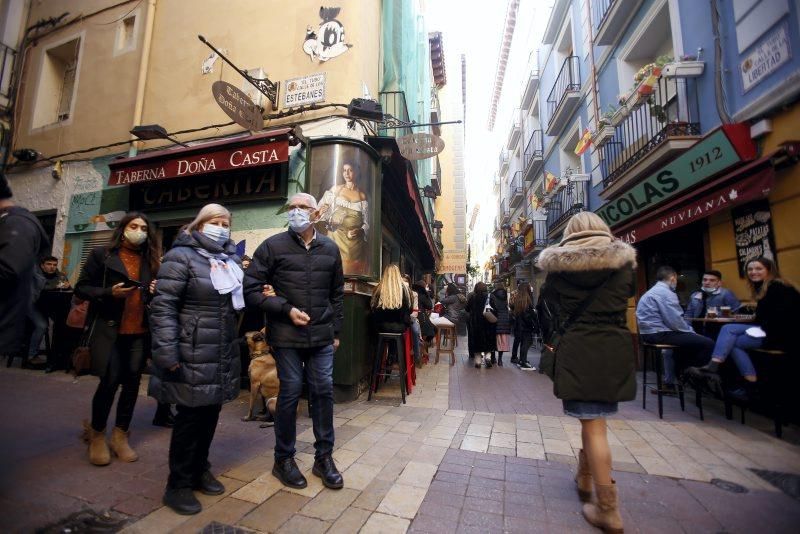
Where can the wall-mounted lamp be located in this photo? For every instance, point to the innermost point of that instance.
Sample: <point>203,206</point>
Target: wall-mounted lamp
<point>147,132</point>
<point>26,155</point>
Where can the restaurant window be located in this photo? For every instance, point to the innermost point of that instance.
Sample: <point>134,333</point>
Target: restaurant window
<point>57,83</point>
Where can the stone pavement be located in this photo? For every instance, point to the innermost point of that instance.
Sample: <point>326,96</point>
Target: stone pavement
<point>472,451</point>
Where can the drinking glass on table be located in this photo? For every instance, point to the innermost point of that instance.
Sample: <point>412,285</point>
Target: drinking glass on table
<point>725,311</point>
<point>712,312</point>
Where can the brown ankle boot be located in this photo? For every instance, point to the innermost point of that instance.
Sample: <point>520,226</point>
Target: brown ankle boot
<point>604,514</point>
<point>98,447</point>
<point>583,478</point>
<point>119,444</point>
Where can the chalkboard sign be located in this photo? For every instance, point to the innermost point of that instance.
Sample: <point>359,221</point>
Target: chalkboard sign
<point>752,230</point>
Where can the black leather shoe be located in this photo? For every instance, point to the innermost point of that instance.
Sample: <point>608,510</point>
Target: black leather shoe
<point>209,485</point>
<point>167,420</point>
<point>325,469</point>
<point>287,472</point>
<point>182,501</point>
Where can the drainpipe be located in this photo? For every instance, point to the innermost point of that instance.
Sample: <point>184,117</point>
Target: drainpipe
<point>591,63</point>
<point>144,63</point>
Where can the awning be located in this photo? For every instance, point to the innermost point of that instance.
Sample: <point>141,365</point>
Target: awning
<point>268,148</point>
<point>749,182</point>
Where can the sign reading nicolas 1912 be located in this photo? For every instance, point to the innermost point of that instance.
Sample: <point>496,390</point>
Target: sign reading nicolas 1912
<point>708,157</point>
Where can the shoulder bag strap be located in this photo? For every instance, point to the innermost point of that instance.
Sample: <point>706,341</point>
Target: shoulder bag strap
<point>585,303</point>
<point>87,333</point>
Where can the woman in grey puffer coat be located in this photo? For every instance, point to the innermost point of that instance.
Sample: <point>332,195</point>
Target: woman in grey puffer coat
<point>193,324</point>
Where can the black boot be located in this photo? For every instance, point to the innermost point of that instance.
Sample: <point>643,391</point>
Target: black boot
<point>209,485</point>
<point>164,416</point>
<point>287,472</point>
<point>711,367</point>
<point>500,359</point>
<point>182,501</point>
<point>325,469</point>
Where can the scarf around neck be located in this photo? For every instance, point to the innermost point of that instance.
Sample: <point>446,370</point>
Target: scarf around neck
<point>587,238</point>
<point>226,276</point>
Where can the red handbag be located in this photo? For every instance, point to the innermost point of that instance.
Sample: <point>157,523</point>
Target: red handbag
<point>76,318</point>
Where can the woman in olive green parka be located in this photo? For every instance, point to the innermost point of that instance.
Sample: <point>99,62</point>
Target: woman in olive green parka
<point>594,359</point>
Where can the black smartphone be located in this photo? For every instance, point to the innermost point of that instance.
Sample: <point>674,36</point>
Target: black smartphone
<point>132,283</point>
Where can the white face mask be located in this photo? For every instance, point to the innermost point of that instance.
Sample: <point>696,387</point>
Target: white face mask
<point>299,219</point>
<point>135,237</point>
<point>709,290</point>
<point>219,234</point>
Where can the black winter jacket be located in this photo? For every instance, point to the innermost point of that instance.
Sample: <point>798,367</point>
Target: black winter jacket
<point>498,300</point>
<point>309,280</point>
<point>193,325</point>
<point>594,359</point>
<point>392,320</point>
<point>776,313</point>
<point>481,332</point>
<point>22,243</point>
<point>103,270</point>
<point>526,323</point>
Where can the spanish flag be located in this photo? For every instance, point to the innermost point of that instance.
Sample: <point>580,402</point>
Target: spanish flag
<point>583,142</point>
<point>550,181</point>
<point>535,201</point>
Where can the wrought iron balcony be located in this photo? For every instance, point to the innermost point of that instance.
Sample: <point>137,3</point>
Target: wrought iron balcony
<point>662,124</point>
<point>503,212</point>
<point>394,104</point>
<point>7,56</point>
<point>505,159</point>
<point>610,18</point>
<point>540,238</point>
<point>534,152</point>
<point>531,85</point>
<point>516,190</point>
<point>568,201</point>
<point>564,96</point>
<point>516,130</point>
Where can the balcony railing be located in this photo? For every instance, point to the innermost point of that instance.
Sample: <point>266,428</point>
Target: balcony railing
<point>671,110</point>
<point>570,200</point>
<point>600,8</point>
<point>540,239</point>
<point>568,80</point>
<point>516,130</point>
<point>394,104</point>
<point>503,212</point>
<point>505,158</point>
<point>534,151</point>
<point>7,55</point>
<point>516,189</point>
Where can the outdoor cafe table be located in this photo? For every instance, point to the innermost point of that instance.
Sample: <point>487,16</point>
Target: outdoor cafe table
<point>711,326</point>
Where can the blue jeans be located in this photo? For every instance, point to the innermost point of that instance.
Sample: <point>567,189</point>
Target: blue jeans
<point>318,362</point>
<point>40,325</point>
<point>415,333</point>
<point>733,341</point>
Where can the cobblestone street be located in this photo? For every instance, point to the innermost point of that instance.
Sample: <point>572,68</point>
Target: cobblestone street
<point>472,451</point>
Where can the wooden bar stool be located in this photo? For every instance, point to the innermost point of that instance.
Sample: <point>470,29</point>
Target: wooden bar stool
<point>446,343</point>
<point>381,367</point>
<point>655,352</point>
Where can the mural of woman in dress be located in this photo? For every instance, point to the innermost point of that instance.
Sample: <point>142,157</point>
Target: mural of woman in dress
<point>344,217</point>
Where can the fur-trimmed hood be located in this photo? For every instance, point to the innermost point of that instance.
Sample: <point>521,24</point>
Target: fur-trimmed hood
<point>585,253</point>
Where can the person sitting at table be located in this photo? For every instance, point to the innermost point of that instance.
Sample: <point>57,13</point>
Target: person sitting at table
<point>46,278</point>
<point>777,302</point>
<point>711,295</point>
<point>660,318</point>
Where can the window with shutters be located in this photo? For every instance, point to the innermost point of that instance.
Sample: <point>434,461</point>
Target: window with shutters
<point>55,95</point>
<point>90,242</point>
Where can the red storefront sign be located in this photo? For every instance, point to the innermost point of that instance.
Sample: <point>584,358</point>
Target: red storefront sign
<point>755,186</point>
<point>255,151</point>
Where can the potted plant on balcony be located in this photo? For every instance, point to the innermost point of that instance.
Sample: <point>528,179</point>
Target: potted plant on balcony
<point>687,66</point>
<point>605,128</point>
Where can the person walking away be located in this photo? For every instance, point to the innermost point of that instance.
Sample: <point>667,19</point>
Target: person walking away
<point>498,300</point>
<point>590,277</point>
<point>116,280</point>
<point>482,332</point>
<point>525,323</point>
<point>660,319</point>
<point>427,329</point>
<point>22,243</point>
<point>777,302</point>
<point>416,332</point>
<point>193,322</point>
<point>305,317</point>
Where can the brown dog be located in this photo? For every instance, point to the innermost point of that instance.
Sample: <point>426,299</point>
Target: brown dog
<point>264,383</point>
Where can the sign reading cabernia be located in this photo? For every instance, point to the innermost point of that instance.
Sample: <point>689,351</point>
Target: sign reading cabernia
<point>706,158</point>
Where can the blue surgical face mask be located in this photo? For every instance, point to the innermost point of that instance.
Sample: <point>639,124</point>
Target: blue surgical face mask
<point>217,233</point>
<point>299,219</point>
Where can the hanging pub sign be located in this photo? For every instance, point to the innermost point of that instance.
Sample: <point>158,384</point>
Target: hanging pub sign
<point>752,231</point>
<point>420,146</point>
<point>328,41</point>
<point>304,90</point>
<point>237,105</point>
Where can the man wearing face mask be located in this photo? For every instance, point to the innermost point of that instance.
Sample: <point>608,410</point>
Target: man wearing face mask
<point>660,319</point>
<point>711,295</point>
<point>305,317</point>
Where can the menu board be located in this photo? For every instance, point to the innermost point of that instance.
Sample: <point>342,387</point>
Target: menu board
<point>752,230</point>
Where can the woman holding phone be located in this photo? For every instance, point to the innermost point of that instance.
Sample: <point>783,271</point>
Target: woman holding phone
<point>116,279</point>
<point>195,348</point>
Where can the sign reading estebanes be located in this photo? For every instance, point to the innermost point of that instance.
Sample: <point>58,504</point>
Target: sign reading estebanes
<point>255,155</point>
<point>304,90</point>
<point>237,105</point>
<point>420,145</point>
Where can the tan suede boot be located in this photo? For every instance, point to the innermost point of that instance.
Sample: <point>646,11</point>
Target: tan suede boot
<point>583,478</point>
<point>98,447</point>
<point>119,444</point>
<point>604,514</point>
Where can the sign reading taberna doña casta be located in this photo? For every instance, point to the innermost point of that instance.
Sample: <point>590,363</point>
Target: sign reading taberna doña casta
<point>304,90</point>
<point>420,146</point>
<point>765,58</point>
<point>708,157</point>
<point>237,105</point>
